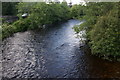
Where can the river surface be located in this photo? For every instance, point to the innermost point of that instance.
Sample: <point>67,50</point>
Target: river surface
<point>53,53</point>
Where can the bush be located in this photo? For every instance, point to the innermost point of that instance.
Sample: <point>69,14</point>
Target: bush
<point>22,25</point>
<point>102,29</point>
<point>105,36</point>
<point>7,30</point>
<point>39,14</point>
<point>77,11</point>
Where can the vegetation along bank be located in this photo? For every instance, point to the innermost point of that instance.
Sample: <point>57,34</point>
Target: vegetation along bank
<point>101,23</point>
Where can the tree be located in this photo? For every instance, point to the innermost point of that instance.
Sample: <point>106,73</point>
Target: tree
<point>9,8</point>
<point>102,28</point>
<point>77,11</point>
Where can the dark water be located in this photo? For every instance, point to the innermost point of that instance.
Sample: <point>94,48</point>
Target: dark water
<point>53,53</point>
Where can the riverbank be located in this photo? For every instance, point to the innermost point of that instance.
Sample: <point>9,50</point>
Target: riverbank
<point>9,19</point>
<point>39,15</point>
<point>21,26</point>
<point>102,29</point>
<point>87,50</point>
<point>54,52</point>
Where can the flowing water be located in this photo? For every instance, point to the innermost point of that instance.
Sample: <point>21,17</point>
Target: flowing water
<point>53,53</point>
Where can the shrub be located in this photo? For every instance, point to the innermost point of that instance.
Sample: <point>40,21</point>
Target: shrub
<point>22,25</point>
<point>102,29</point>
<point>104,36</point>
<point>7,30</point>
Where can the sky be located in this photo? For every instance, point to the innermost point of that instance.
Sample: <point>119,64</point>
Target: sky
<point>73,1</point>
<point>68,1</point>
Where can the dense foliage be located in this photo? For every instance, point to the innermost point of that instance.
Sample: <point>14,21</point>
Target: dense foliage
<point>39,15</point>
<point>42,14</point>
<point>102,29</point>
<point>9,8</point>
<point>101,24</point>
<point>77,11</point>
<point>7,30</point>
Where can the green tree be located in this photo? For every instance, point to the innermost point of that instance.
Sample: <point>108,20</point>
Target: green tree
<point>102,28</point>
<point>9,8</point>
<point>77,11</point>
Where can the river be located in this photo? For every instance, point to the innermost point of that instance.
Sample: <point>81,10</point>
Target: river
<point>53,53</point>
